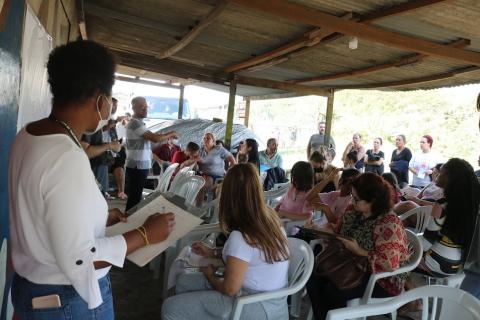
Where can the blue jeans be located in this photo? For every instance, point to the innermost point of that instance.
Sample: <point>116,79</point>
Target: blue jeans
<point>101,173</point>
<point>471,284</point>
<point>73,306</point>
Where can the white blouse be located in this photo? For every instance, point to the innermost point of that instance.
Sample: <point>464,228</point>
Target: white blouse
<point>58,216</point>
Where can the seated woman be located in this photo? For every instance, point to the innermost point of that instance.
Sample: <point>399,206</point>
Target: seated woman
<point>350,160</point>
<point>449,233</point>
<point>397,193</point>
<point>248,152</point>
<point>293,205</point>
<point>429,195</point>
<point>256,257</point>
<point>378,235</point>
<point>188,157</point>
<point>212,160</point>
<point>322,169</point>
<point>335,203</point>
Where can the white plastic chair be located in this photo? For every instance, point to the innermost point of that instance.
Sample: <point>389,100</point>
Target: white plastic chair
<point>165,178</point>
<point>299,270</point>
<point>273,196</point>
<point>277,186</point>
<point>155,178</point>
<point>182,173</point>
<point>467,307</point>
<point>422,218</point>
<point>189,187</point>
<point>415,258</point>
<point>172,252</point>
<point>211,211</point>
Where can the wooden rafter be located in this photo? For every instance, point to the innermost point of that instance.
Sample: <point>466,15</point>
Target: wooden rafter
<point>318,18</point>
<point>292,49</point>
<point>195,31</point>
<point>281,85</point>
<point>400,83</point>
<point>399,62</point>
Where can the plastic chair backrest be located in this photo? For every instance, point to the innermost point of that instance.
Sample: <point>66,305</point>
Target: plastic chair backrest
<point>422,217</point>
<point>272,195</point>
<point>277,186</point>
<point>164,179</point>
<point>190,186</point>
<point>467,306</point>
<point>415,258</point>
<point>182,173</point>
<point>299,270</point>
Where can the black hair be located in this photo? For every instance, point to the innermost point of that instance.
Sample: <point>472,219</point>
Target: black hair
<point>253,157</point>
<point>392,179</point>
<point>79,70</point>
<point>317,157</point>
<point>114,100</point>
<point>302,176</point>
<point>219,143</point>
<point>192,146</point>
<point>348,175</point>
<point>439,166</point>
<point>462,194</point>
<point>353,156</point>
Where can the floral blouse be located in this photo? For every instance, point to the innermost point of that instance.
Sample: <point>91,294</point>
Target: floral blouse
<point>385,240</point>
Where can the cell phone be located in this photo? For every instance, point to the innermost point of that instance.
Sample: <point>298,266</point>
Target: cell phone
<point>192,270</point>
<point>220,272</point>
<point>50,301</point>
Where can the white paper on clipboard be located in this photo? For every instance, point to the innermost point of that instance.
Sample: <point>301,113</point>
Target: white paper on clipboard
<point>185,222</point>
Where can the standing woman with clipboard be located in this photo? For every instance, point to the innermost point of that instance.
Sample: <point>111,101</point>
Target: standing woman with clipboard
<point>58,215</point>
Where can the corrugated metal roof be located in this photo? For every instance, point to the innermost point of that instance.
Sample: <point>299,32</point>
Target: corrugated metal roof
<point>139,30</point>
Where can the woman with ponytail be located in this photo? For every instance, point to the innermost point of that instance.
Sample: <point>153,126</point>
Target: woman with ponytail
<point>377,233</point>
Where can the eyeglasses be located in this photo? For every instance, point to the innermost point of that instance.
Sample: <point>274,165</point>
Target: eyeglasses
<point>355,199</point>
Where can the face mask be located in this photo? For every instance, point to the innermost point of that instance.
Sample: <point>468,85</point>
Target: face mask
<point>175,141</point>
<point>102,122</point>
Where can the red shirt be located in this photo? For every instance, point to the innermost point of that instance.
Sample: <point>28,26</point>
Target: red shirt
<point>179,157</point>
<point>166,152</point>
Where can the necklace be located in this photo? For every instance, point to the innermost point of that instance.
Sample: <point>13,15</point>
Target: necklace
<point>74,138</point>
<point>69,130</point>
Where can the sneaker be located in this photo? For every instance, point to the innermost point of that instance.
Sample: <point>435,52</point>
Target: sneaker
<point>108,196</point>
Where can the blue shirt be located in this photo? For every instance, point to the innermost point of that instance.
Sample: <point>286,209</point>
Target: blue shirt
<point>273,162</point>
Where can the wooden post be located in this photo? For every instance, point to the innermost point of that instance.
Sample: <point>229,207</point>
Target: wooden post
<point>247,111</point>
<point>231,109</point>
<point>328,120</point>
<point>180,102</point>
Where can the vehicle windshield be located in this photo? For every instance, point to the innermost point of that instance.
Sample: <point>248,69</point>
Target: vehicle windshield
<point>166,108</point>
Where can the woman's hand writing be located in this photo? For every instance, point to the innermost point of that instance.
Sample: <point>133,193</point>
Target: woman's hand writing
<point>203,250</point>
<point>159,226</point>
<point>114,216</point>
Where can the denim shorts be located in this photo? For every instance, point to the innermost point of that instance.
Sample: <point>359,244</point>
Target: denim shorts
<point>73,306</point>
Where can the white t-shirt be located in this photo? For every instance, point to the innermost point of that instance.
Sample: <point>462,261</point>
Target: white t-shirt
<point>260,275</point>
<point>422,162</point>
<point>58,216</point>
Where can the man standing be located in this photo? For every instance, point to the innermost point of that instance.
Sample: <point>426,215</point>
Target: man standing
<point>318,140</point>
<point>270,156</point>
<point>139,152</point>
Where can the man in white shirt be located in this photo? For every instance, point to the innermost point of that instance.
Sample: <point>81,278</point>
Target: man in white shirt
<point>139,151</point>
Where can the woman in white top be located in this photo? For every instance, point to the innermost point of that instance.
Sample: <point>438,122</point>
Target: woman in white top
<point>255,254</point>
<point>422,164</point>
<point>61,255</point>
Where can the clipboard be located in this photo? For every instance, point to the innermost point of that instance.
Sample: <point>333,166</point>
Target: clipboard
<point>185,222</point>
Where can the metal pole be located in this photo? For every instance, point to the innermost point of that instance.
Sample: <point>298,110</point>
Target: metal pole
<point>180,102</point>
<point>230,112</point>
<point>247,111</point>
<point>328,120</point>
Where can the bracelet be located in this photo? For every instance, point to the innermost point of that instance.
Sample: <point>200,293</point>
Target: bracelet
<point>143,232</point>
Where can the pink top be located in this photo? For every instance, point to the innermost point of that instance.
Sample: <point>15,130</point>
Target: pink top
<point>337,204</point>
<point>294,201</point>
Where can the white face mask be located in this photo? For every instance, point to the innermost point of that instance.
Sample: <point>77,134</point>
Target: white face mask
<point>175,141</point>
<point>102,122</point>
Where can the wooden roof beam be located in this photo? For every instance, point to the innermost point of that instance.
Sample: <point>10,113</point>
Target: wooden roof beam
<point>406,82</point>
<point>309,39</point>
<point>190,36</point>
<point>281,85</point>
<point>304,15</point>
<point>273,57</point>
<point>399,62</point>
